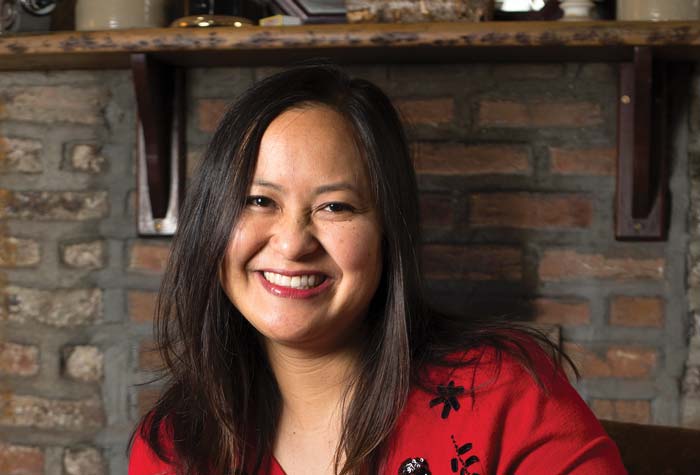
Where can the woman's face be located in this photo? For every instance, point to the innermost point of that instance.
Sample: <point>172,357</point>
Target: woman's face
<point>305,259</point>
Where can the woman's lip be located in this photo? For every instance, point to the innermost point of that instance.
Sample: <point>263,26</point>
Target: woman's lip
<point>291,293</point>
<point>292,273</point>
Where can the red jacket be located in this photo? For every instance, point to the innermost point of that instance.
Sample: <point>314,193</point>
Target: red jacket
<point>510,427</point>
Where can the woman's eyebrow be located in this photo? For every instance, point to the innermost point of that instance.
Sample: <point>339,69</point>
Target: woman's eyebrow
<point>268,184</point>
<point>341,186</point>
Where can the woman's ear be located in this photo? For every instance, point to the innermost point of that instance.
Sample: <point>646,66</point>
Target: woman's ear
<point>222,274</point>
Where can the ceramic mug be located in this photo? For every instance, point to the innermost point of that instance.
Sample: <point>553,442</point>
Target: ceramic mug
<point>111,14</point>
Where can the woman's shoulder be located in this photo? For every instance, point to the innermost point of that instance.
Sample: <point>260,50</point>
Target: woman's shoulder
<point>499,361</point>
<point>522,380</point>
<point>495,409</point>
<point>143,459</point>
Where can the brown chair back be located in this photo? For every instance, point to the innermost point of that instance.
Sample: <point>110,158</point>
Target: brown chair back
<point>656,450</point>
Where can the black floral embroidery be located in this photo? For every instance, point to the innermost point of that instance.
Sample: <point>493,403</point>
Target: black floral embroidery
<point>459,464</point>
<point>448,396</point>
<point>414,466</point>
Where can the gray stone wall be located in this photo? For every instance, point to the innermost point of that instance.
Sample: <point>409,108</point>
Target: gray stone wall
<point>516,167</point>
<point>690,402</point>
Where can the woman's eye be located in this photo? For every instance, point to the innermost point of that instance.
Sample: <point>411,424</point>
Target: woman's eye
<point>259,201</point>
<point>338,207</point>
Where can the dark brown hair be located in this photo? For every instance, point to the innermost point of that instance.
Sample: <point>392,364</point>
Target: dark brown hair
<point>221,404</point>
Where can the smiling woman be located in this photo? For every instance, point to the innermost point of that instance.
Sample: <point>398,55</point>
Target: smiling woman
<point>292,323</point>
<point>293,267</point>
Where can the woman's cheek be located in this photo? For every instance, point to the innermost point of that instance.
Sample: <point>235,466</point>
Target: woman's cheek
<point>248,235</point>
<point>358,246</point>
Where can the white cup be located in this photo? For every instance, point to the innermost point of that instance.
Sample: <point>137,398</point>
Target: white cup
<point>115,14</point>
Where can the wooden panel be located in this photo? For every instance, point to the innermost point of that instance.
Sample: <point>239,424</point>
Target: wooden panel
<point>495,41</point>
<point>642,181</point>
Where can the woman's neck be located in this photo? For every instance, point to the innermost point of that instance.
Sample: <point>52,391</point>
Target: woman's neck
<point>313,385</point>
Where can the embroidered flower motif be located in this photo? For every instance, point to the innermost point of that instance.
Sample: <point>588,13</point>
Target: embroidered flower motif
<point>414,466</point>
<point>460,465</point>
<point>448,396</point>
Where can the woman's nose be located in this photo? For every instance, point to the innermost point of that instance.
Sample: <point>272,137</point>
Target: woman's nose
<point>293,238</point>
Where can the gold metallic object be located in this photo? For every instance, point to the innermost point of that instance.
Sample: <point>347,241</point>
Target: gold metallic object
<point>210,21</point>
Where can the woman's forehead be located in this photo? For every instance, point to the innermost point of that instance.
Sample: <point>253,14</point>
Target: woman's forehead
<point>315,123</point>
<point>314,140</point>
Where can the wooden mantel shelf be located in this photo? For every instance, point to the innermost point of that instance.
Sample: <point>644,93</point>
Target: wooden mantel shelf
<point>348,43</point>
<point>157,58</point>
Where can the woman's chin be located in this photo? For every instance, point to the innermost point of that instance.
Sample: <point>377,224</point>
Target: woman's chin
<point>305,340</point>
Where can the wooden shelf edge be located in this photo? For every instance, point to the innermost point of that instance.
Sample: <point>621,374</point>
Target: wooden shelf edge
<point>66,50</point>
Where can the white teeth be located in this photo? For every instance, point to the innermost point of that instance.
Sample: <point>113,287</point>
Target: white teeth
<point>296,282</point>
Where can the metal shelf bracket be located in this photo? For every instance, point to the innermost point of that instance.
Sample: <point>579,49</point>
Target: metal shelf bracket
<point>160,100</point>
<point>642,159</point>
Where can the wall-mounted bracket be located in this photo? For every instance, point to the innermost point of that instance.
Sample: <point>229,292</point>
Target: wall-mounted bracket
<point>160,102</point>
<point>642,175</point>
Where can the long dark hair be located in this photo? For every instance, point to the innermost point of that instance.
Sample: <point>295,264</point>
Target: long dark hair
<point>222,403</point>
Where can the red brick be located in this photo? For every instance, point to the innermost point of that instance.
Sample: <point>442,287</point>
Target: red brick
<point>460,159</point>
<point>20,155</point>
<point>84,255</point>
<point>617,361</point>
<point>17,252</point>
<point>83,363</point>
<point>569,264</point>
<point>436,210</point>
<point>142,305</point>
<point>148,257</point>
<point>18,360</point>
<point>146,399</point>
<point>433,111</point>
<point>210,113</point>
<point>31,411</point>
<point>21,460</point>
<point>538,114</point>
<point>621,410</point>
<point>442,261</point>
<point>592,161</point>
<point>630,362</point>
<point>58,308</point>
<point>149,357</point>
<point>86,158</point>
<point>54,205</point>
<point>529,210</point>
<point>83,461</point>
<point>49,104</point>
<point>562,311</point>
<point>637,312</point>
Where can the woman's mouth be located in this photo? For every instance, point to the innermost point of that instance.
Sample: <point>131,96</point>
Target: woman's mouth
<point>305,281</point>
<point>294,286</point>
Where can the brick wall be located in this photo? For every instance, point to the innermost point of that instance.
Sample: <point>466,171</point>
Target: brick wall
<point>516,168</point>
<point>690,403</point>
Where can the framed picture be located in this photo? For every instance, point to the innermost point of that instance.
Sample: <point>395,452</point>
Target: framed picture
<point>314,11</point>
